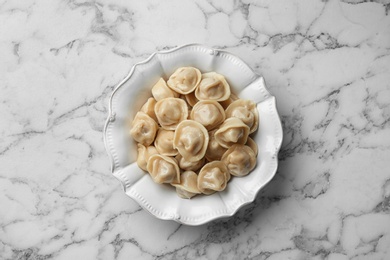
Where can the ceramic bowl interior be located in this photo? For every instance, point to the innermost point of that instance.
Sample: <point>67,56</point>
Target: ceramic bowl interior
<point>162,200</point>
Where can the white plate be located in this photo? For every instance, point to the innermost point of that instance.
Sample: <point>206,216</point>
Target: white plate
<point>161,200</point>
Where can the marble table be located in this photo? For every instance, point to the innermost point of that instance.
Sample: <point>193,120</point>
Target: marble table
<point>327,63</point>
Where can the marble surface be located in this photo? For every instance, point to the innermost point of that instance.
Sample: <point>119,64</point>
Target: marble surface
<point>327,62</point>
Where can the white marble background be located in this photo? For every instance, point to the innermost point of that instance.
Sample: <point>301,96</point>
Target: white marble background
<point>327,62</point>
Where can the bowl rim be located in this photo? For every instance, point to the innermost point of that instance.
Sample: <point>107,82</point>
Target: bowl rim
<point>111,118</point>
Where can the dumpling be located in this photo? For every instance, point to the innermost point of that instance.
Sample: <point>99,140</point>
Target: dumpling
<point>240,159</point>
<point>214,150</point>
<point>228,101</point>
<point>252,144</point>
<point>143,155</point>
<point>170,112</point>
<point>163,169</point>
<point>213,177</point>
<point>148,108</point>
<point>184,80</point>
<point>188,186</point>
<point>191,99</point>
<point>160,90</point>
<point>213,86</point>
<point>189,166</point>
<point>164,142</point>
<point>245,110</point>
<point>143,129</point>
<point>209,113</point>
<point>191,139</point>
<point>232,131</point>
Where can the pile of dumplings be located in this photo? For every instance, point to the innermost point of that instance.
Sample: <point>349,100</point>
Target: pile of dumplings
<point>194,133</point>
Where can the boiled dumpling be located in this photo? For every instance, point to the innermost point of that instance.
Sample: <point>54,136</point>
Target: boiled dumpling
<point>188,186</point>
<point>170,112</point>
<point>228,101</point>
<point>245,110</point>
<point>164,142</point>
<point>191,139</point>
<point>240,159</point>
<point>232,131</point>
<point>163,169</point>
<point>143,155</point>
<point>209,113</point>
<point>143,129</point>
<point>252,144</point>
<point>148,108</point>
<point>160,90</point>
<point>214,150</point>
<point>184,80</point>
<point>191,99</point>
<point>213,177</point>
<point>213,86</point>
<point>189,166</point>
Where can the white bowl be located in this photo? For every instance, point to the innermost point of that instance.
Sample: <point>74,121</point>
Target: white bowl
<point>161,200</point>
